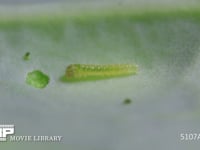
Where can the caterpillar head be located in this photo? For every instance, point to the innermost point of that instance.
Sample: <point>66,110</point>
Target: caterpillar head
<point>71,71</point>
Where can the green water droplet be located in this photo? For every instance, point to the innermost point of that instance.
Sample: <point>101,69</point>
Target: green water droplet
<point>37,79</point>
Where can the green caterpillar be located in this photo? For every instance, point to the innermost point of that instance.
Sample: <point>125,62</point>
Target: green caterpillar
<point>76,72</point>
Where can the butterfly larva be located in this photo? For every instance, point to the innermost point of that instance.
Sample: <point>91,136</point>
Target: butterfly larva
<point>90,72</point>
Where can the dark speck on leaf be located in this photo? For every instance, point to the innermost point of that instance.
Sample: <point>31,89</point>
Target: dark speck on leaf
<point>127,101</point>
<point>27,56</point>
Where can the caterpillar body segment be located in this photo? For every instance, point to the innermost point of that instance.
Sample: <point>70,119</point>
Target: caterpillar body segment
<point>94,72</point>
